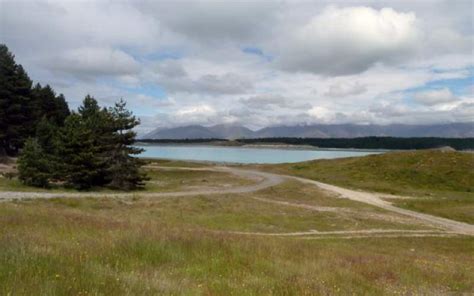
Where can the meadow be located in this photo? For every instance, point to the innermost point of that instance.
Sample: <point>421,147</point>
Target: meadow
<point>432,181</point>
<point>287,239</point>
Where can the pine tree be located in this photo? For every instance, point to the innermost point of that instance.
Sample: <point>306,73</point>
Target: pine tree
<point>62,109</point>
<point>33,165</point>
<point>99,122</point>
<point>15,103</point>
<point>78,153</point>
<point>124,168</point>
<point>47,136</point>
<point>47,104</point>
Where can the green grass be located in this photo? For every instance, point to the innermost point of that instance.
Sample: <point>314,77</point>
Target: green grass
<point>443,180</point>
<point>130,247</point>
<point>182,245</point>
<point>186,180</point>
<point>160,180</point>
<point>177,163</point>
<point>460,209</point>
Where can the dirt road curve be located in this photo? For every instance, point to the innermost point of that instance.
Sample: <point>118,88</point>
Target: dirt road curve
<point>264,180</point>
<point>268,180</point>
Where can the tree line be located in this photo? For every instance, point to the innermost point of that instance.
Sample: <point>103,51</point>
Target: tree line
<point>81,149</point>
<point>390,143</point>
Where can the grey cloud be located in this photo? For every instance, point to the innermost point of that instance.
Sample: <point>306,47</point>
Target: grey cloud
<point>208,21</point>
<point>268,101</point>
<point>93,62</point>
<point>343,90</point>
<point>175,79</point>
<point>171,69</point>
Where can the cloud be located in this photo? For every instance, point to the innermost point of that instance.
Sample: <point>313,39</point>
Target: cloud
<point>256,63</point>
<point>269,101</point>
<point>196,110</point>
<point>173,76</point>
<point>343,90</point>
<point>435,97</point>
<point>213,21</point>
<point>94,62</point>
<point>344,41</point>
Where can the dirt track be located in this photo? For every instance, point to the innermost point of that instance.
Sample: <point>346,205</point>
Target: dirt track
<point>266,180</point>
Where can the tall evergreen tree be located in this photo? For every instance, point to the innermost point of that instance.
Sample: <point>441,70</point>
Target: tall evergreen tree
<point>47,104</point>
<point>99,122</point>
<point>124,168</point>
<point>33,165</point>
<point>15,103</point>
<point>80,164</point>
<point>62,109</point>
<point>47,136</point>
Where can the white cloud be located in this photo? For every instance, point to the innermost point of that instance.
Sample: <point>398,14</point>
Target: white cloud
<point>181,62</point>
<point>342,41</point>
<point>200,110</point>
<point>435,97</point>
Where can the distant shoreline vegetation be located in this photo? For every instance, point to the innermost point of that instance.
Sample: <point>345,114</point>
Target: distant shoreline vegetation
<point>387,143</point>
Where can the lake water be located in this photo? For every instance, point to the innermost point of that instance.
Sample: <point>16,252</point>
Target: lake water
<point>243,155</point>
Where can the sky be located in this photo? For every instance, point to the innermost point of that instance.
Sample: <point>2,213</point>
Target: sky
<point>253,63</point>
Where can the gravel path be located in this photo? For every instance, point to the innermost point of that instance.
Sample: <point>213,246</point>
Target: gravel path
<point>264,180</point>
<point>373,199</point>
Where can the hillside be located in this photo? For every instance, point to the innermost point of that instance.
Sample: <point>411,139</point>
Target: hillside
<point>395,172</point>
<point>441,182</point>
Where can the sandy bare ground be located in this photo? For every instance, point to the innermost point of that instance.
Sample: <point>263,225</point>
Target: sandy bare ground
<point>266,180</point>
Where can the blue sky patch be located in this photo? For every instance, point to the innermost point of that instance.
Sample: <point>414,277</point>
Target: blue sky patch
<point>257,51</point>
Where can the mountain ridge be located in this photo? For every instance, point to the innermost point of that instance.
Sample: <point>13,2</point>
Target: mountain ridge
<point>229,131</point>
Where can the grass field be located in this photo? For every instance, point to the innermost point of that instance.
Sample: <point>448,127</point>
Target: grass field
<point>160,180</point>
<point>220,244</point>
<point>441,182</point>
<point>170,246</point>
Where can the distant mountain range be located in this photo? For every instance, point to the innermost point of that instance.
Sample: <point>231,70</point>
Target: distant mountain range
<point>224,131</point>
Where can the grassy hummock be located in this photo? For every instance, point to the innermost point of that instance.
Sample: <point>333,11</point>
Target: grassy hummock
<point>438,182</point>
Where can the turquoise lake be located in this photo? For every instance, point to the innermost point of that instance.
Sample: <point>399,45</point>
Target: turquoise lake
<point>243,155</point>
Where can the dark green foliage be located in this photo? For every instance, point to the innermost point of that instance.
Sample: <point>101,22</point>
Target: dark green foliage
<point>97,122</point>
<point>33,165</point>
<point>96,150</point>
<point>371,142</point>
<point>89,148</point>
<point>47,135</point>
<point>124,169</point>
<point>21,106</point>
<point>15,103</point>
<point>92,148</point>
<point>80,163</point>
<point>47,104</point>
